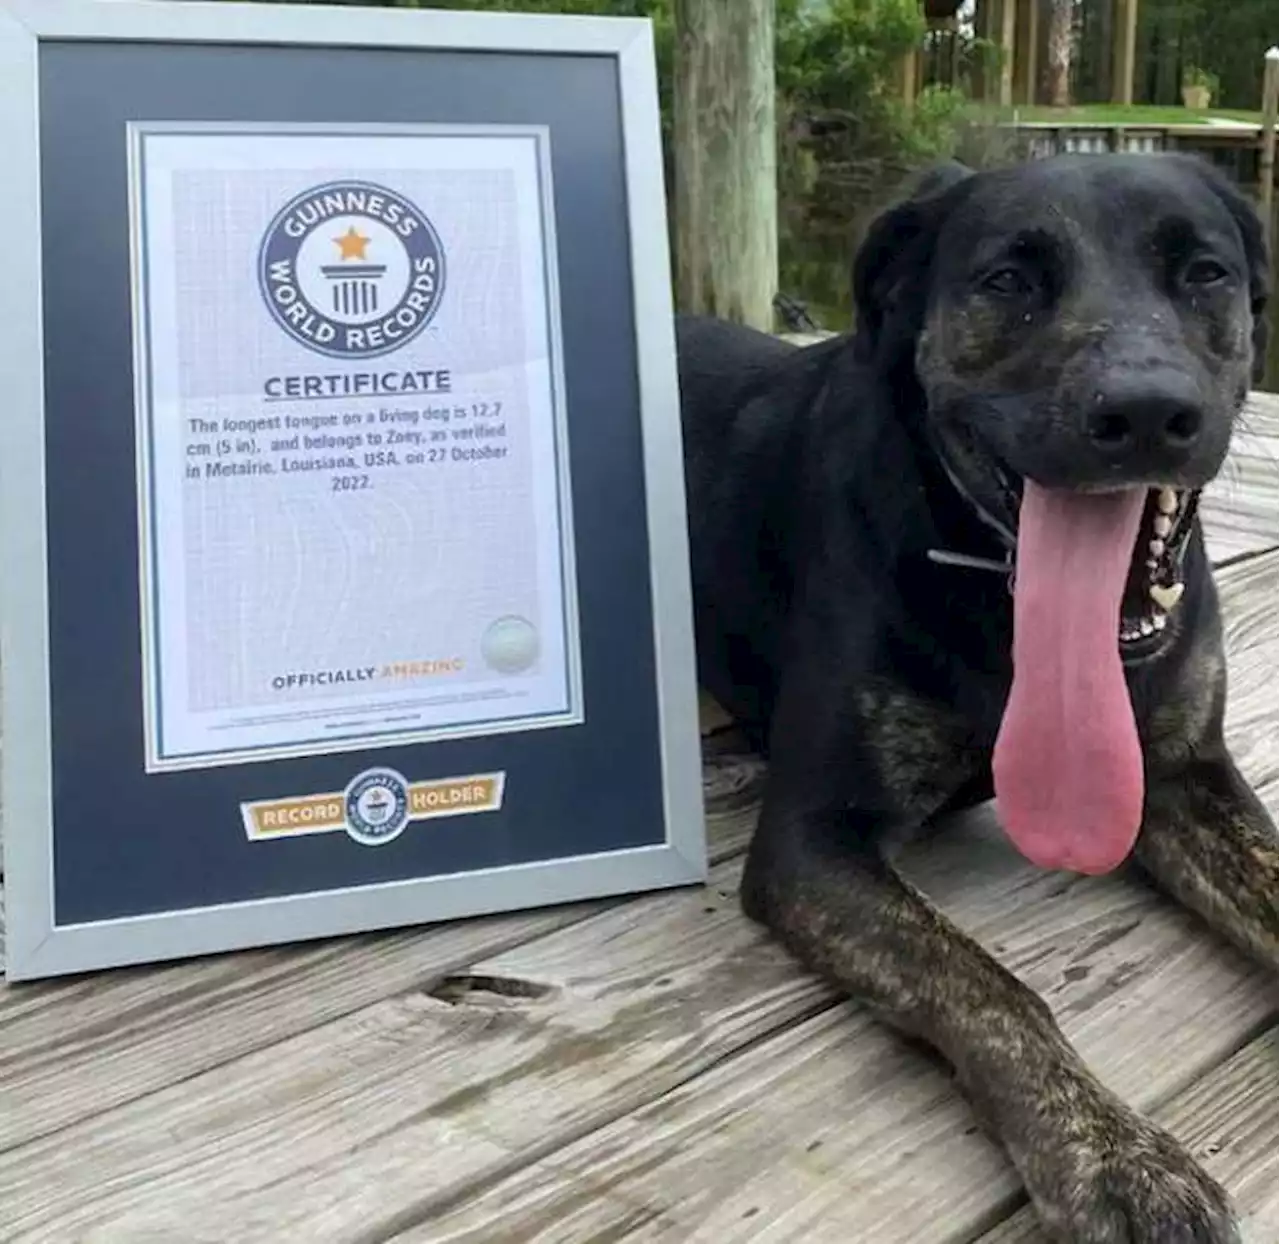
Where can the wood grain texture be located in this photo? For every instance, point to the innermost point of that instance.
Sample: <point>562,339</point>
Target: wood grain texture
<point>724,149</point>
<point>466,1079</point>
<point>73,1047</point>
<point>1241,508</point>
<point>720,1170</point>
<point>392,1116</point>
<point>836,1131</point>
<point>1227,1119</point>
<point>68,1052</point>
<point>661,1058</point>
<point>648,1175</point>
<point>1248,592</point>
<point>653,1066</point>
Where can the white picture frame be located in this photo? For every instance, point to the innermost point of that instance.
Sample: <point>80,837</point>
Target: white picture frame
<point>38,944</point>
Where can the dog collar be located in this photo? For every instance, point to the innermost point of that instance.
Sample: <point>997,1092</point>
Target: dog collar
<point>1177,547</point>
<point>948,557</point>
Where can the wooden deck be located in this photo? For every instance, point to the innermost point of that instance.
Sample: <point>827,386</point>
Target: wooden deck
<point>652,1069</point>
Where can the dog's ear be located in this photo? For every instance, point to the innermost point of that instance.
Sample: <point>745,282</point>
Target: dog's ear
<point>891,268</point>
<point>1253,235</point>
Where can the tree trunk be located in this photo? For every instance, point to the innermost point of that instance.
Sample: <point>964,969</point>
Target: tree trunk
<point>1168,54</point>
<point>1125,45</point>
<point>1008,49</point>
<point>725,140</point>
<point>1108,11</point>
<point>1061,14</point>
<point>1028,45</point>
<point>980,87</point>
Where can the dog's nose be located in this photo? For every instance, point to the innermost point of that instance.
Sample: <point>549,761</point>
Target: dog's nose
<point>1141,418</point>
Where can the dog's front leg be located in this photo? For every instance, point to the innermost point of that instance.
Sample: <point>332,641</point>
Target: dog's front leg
<point>1208,841</point>
<point>1096,1171</point>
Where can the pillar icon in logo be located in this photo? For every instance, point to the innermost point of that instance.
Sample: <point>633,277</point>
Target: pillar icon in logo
<point>376,804</point>
<point>351,269</point>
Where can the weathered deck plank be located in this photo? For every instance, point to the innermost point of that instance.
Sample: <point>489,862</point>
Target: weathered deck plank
<point>652,1055</point>
<point>732,1155</point>
<point>1248,592</point>
<point>1241,508</point>
<point>661,1066</point>
<point>73,1047</point>
<point>1228,1121</point>
<point>379,1119</point>
<point>831,1132</point>
<point>415,1069</point>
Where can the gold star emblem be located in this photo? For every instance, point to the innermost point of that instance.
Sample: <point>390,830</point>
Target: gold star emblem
<point>352,244</point>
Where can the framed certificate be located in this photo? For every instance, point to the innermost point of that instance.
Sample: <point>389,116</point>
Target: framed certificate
<point>341,506</point>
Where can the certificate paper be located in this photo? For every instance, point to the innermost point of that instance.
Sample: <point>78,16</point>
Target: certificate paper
<point>354,509</point>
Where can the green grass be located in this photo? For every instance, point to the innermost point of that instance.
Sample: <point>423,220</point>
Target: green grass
<point>1119,114</point>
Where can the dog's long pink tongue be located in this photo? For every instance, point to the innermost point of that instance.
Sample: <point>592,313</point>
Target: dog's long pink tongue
<point>1068,764</point>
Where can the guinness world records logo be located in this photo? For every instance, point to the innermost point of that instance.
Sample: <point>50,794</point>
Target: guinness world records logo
<point>376,806</point>
<point>351,269</point>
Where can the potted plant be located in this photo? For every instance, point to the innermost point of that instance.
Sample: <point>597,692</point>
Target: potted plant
<point>1198,87</point>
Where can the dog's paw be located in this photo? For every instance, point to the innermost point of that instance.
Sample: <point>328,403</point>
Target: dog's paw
<point>1133,1184</point>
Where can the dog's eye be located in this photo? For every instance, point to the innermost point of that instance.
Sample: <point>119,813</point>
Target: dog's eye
<point>1204,272</point>
<point>1006,283</point>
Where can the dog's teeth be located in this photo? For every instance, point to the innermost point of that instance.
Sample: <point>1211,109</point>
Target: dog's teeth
<point>1166,596</point>
<point>1163,525</point>
<point>1156,548</point>
<point>1159,620</point>
<point>1167,501</point>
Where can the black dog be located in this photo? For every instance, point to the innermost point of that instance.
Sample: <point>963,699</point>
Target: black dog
<point>956,554</point>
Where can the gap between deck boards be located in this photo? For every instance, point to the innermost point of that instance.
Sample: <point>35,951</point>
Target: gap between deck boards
<point>670,1050</point>
<point>114,1060</point>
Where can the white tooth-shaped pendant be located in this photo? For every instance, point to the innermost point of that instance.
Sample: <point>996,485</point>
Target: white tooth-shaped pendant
<point>1156,548</point>
<point>1163,525</point>
<point>1160,621</point>
<point>1166,596</point>
<point>1167,501</point>
<point>1147,627</point>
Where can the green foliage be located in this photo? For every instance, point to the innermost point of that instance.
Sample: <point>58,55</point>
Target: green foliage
<point>838,58</point>
<point>841,57</point>
<point>1193,75</point>
<point>847,137</point>
<point>931,128</point>
<point>837,61</point>
<point>1224,38</point>
<point>659,10</point>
